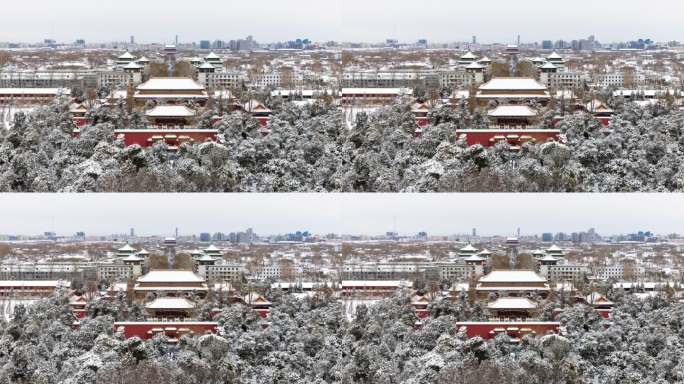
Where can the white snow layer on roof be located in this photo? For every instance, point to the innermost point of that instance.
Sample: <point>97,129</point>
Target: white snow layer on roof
<point>166,276</point>
<point>170,303</point>
<point>512,111</point>
<point>170,111</point>
<point>513,276</point>
<point>512,303</point>
<point>513,83</point>
<point>171,83</point>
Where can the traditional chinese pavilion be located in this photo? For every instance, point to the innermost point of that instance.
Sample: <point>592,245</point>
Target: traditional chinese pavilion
<point>171,90</point>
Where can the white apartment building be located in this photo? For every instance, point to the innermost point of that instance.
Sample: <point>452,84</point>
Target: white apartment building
<point>265,80</point>
<point>607,272</point>
<point>389,78</point>
<point>565,80</point>
<point>565,272</point>
<point>265,272</point>
<point>114,272</point>
<point>605,80</point>
<point>459,271</point>
<point>222,79</point>
<point>45,78</point>
<point>118,79</point>
<point>222,272</point>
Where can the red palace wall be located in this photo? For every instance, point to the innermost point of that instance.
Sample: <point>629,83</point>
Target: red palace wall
<point>483,329</point>
<point>485,137</point>
<point>140,329</point>
<point>143,137</point>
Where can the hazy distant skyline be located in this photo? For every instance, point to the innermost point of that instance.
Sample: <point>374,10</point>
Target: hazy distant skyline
<point>340,20</point>
<point>372,214</point>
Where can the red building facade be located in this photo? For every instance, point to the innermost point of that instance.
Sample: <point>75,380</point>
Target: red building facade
<point>174,330</point>
<point>172,137</point>
<point>514,137</point>
<point>515,330</point>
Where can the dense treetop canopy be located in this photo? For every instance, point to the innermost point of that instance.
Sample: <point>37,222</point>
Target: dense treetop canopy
<point>311,341</point>
<point>311,149</point>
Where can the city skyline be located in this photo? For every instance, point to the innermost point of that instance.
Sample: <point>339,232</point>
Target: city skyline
<point>373,214</point>
<point>350,20</point>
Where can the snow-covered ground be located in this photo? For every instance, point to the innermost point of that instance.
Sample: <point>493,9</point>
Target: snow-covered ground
<point>351,304</point>
<point>7,114</point>
<point>7,307</point>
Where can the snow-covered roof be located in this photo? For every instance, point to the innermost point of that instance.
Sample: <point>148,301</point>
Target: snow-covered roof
<point>554,248</point>
<point>255,298</point>
<point>35,283</point>
<point>474,65</point>
<point>170,303</point>
<point>512,276</point>
<point>474,258</point>
<point>485,252</point>
<point>512,111</point>
<point>133,258</point>
<point>126,248</point>
<point>170,83</point>
<point>170,276</point>
<point>597,298</point>
<point>126,56</point>
<point>468,56</point>
<point>35,91</point>
<point>554,56</point>
<point>206,65</point>
<point>205,257</point>
<point>212,56</point>
<point>513,83</point>
<point>212,248</point>
<point>468,248</point>
<point>377,91</point>
<point>548,66</point>
<point>512,303</point>
<point>485,60</point>
<point>377,283</point>
<point>255,106</point>
<point>133,65</point>
<point>143,60</point>
<point>170,111</point>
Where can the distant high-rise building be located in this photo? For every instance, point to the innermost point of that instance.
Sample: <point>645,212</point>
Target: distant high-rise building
<point>474,232</point>
<point>205,44</point>
<point>518,41</point>
<point>132,232</point>
<point>205,237</point>
<point>176,232</point>
<point>547,237</point>
<point>547,44</point>
<point>176,40</point>
<point>474,39</point>
<point>132,39</point>
<point>170,250</point>
<point>518,233</point>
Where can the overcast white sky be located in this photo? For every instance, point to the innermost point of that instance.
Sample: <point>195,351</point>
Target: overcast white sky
<point>341,20</point>
<point>340,213</point>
